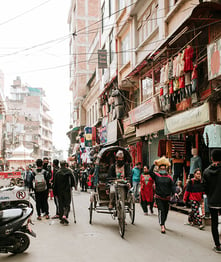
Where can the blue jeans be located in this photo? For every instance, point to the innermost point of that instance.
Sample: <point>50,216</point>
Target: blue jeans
<point>136,189</point>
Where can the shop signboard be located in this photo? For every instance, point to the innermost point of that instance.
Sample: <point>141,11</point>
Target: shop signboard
<point>127,127</point>
<point>112,132</point>
<point>102,58</point>
<point>189,119</point>
<point>214,59</point>
<point>145,110</point>
<point>10,174</point>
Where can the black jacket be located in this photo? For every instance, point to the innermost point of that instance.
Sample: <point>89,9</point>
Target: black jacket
<point>164,184</point>
<point>63,181</point>
<point>212,184</point>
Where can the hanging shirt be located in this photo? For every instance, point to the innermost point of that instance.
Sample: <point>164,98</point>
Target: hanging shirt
<point>162,70</point>
<point>212,135</point>
<point>174,66</point>
<point>188,59</point>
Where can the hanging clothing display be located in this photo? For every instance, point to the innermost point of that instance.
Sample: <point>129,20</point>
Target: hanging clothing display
<point>174,66</point>
<point>166,71</point>
<point>181,82</point>
<point>188,59</point>
<point>162,70</point>
<point>170,69</point>
<point>194,79</point>
<point>171,87</point>
<point>187,78</point>
<point>212,135</point>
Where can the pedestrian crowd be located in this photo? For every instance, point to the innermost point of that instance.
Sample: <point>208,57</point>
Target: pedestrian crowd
<point>56,182</point>
<point>156,186</point>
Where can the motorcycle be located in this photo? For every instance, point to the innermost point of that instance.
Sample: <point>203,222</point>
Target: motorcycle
<point>14,230</point>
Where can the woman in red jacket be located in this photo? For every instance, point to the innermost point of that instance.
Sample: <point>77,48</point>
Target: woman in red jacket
<point>194,192</point>
<point>146,191</point>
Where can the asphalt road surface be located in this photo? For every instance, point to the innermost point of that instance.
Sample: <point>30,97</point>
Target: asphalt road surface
<point>82,242</point>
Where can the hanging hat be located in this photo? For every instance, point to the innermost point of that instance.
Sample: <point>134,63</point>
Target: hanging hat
<point>163,161</point>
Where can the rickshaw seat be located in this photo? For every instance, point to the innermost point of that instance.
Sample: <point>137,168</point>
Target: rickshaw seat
<point>102,191</point>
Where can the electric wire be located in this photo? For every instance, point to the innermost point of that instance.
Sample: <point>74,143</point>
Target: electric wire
<point>24,13</point>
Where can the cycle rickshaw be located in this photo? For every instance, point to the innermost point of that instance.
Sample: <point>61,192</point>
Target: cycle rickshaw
<point>124,198</point>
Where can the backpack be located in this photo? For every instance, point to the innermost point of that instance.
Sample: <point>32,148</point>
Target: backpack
<point>40,182</point>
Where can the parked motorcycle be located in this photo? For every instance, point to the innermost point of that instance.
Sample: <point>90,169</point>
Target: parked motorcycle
<point>14,229</point>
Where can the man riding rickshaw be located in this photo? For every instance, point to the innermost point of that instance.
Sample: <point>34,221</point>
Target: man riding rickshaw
<point>113,182</point>
<point>120,172</point>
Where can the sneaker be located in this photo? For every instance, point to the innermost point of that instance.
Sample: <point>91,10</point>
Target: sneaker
<point>55,217</point>
<point>64,218</point>
<point>47,216</point>
<point>38,218</point>
<point>146,214</point>
<point>201,227</point>
<point>217,249</point>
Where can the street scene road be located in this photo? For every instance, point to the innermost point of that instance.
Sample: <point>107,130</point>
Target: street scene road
<point>82,242</point>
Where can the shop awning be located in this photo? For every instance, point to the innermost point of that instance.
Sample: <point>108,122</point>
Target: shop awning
<point>149,127</point>
<point>190,119</point>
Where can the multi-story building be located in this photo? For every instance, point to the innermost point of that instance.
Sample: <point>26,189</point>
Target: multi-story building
<point>27,120</point>
<point>83,26</point>
<point>2,121</point>
<point>160,92</point>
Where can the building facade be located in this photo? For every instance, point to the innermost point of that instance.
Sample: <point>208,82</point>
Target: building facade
<point>28,122</point>
<point>160,91</point>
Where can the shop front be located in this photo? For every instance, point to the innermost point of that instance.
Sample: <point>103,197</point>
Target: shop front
<point>185,131</point>
<point>147,122</point>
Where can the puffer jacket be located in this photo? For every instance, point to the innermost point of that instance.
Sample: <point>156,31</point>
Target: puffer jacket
<point>212,184</point>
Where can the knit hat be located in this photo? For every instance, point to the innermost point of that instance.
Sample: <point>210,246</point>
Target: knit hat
<point>163,161</point>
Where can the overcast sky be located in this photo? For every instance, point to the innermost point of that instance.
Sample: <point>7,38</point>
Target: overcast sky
<point>35,46</point>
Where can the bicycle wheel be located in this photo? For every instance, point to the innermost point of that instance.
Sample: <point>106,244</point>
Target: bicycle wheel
<point>131,208</point>
<point>121,217</point>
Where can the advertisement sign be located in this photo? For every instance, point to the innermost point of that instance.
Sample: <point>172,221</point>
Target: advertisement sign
<point>191,118</point>
<point>9,175</point>
<point>214,59</point>
<point>145,110</point>
<point>102,58</point>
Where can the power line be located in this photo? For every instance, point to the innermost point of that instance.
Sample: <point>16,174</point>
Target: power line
<point>24,13</point>
<point>67,36</point>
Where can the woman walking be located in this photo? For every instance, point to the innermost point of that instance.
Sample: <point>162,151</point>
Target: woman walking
<point>164,188</point>
<point>146,191</point>
<point>194,192</point>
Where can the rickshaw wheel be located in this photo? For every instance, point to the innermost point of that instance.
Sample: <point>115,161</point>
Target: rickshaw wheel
<point>121,218</point>
<point>131,209</point>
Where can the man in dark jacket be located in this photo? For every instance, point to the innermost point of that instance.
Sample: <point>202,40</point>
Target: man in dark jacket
<point>54,171</point>
<point>164,189</point>
<point>212,183</point>
<point>119,170</point>
<point>63,183</point>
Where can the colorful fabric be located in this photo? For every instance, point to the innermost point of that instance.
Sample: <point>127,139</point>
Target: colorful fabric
<point>194,216</point>
<point>146,188</point>
<point>188,59</point>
